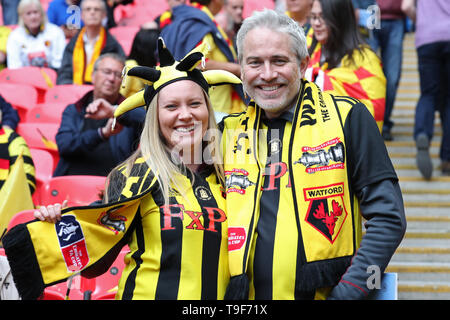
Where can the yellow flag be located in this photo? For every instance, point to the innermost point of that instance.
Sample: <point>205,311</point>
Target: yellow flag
<point>48,143</point>
<point>15,195</point>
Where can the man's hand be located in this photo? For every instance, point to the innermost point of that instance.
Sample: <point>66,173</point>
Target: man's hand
<point>99,109</point>
<point>107,130</point>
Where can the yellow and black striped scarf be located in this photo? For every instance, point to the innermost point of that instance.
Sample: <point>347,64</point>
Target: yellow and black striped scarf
<point>313,179</point>
<point>191,231</point>
<point>11,145</point>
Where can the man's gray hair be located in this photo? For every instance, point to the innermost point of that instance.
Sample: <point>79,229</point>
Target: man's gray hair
<point>111,55</point>
<point>278,22</point>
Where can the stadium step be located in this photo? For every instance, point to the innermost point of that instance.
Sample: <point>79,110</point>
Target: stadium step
<point>422,260</point>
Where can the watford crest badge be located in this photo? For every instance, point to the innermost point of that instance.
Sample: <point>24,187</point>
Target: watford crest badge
<point>326,211</point>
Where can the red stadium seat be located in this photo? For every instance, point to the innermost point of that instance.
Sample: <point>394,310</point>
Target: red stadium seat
<point>78,190</point>
<point>66,93</point>
<point>35,133</point>
<point>23,97</point>
<point>256,5</point>
<point>51,295</point>
<point>60,289</point>
<point>21,217</point>
<point>46,112</point>
<point>125,36</point>
<point>106,284</point>
<point>40,78</point>
<point>140,12</point>
<point>44,166</point>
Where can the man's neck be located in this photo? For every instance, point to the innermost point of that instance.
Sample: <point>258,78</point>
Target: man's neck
<point>92,32</point>
<point>111,99</point>
<point>286,113</point>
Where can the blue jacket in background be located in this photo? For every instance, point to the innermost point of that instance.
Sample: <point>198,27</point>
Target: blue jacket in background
<point>73,141</point>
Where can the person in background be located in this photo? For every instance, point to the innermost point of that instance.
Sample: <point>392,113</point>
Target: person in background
<point>11,146</point>
<point>35,42</point>
<point>230,18</point>
<point>302,168</point>
<point>110,7</point>
<point>432,42</point>
<point>87,45</point>
<point>65,14</point>
<point>143,53</point>
<point>165,18</point>
<point>341,63</point>
<point>194,24</point>
<point>299,11</point>
<point>366,12</point>
<point>389,39</point>
<point>87,144</point>
<point>9,10</point>
<point>4,34</point>
<point>10,117</point>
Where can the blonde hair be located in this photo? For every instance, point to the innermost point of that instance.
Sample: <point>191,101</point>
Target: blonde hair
<point>21,7</point>
<point>157,154</point>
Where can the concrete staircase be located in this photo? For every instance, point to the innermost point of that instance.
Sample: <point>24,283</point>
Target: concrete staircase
<point>423,259</point>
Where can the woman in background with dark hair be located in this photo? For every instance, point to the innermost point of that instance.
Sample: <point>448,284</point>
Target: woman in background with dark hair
<point>341,62</point>
<point>143,53</point>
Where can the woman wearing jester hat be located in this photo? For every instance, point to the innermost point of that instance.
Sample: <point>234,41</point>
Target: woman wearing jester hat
<point>165,202</point>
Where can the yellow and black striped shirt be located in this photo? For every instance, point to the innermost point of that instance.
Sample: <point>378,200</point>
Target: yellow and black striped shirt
<point>11,146</point>
<point>178,251</point>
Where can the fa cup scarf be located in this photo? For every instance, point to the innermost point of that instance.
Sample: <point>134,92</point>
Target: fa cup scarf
<point>327,215</point>
<point>42,254</point>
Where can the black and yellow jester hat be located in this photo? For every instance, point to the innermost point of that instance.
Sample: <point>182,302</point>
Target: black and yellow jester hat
<point>170,71</point>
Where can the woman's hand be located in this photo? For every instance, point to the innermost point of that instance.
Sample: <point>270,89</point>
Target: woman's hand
<point>50,213</point>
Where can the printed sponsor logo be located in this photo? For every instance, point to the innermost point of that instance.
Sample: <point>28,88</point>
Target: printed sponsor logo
<point>236,238</point>
<point>72,243</point>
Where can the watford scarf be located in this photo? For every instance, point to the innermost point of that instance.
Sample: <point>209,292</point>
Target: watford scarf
<point>82,69</point>
<point>362,79</point>
<point>42,254</point>
<point>319,184</point>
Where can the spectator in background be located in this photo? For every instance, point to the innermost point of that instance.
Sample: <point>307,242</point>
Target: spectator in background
<point>10,117</point>
<point>86,142</point>
<point>433,51</point>
<point>11,146</point>
<point>366,18</point>
<point>389,38</point>
<point>299,11</point>
<point>87,45</point>
<point>143,53</point>
<point>230,18</point>
<point>4,34</point>
<point>110,6</point>
<point>195,24</point>
<point>36,42</point>
<point>9,10</point>
<point>165,18</point>
<point>341,63</point>
<point>65,15</point>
